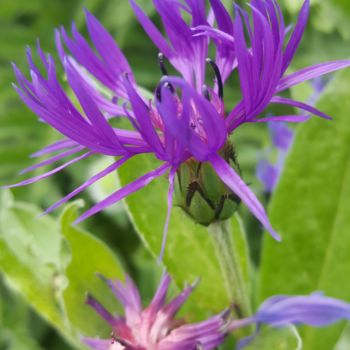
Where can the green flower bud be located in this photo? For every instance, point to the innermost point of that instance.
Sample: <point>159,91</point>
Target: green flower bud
<point>200,192</point>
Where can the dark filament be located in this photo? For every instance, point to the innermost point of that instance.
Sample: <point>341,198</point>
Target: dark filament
<point>159,90</point>
<point>161,61</point>
<point>162,64</point>
<point>218,77</point>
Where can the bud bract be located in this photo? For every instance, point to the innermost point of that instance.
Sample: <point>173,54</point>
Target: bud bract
<point>200,192</point>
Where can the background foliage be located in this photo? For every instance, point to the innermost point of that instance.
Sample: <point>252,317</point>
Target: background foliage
<point>47,265</point>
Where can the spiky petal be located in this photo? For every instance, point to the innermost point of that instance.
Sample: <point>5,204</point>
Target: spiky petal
<point>154,327</point>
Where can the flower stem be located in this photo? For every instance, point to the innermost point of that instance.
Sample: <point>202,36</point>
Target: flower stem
<point>221,233</point>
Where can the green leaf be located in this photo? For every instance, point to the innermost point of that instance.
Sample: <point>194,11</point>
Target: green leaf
<point>344,341</point>
<point>53,265</point>
<point>311,211</point>
<point>89,257</point>
<point>30,259</point>
<point>276,339</point>
<point>189,252</point>
<point>15,317</point>
<point>18,338</point>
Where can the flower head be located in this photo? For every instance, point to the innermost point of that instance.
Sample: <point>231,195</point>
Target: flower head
<point>155,327</point>
<point>185,120</point>
<point>263,57</point>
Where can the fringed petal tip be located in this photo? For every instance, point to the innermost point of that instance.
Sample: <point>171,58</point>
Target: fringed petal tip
<point>275,235</point>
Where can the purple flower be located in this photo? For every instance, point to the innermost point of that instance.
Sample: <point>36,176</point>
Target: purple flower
<point>185,120</point>
<point>315,310</point>
<point>263,59</point>
<point>282,138</point>
<point>155,327</point>
<point>187,52</point>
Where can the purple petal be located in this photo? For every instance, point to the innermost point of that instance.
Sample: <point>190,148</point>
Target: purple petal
<point>237,185</point>
<point>42,55</point>
<point>124,192</point>
<point>89,84</point>
<point>152,30</point>
<point>84,54</point>
<point>91,301</point>
<point>283,118</point>
<point>175,304</point>
<point>159,298</point>
<point>97,119</point>
<point>180,128</point>
<point>226,55</point>
<point>57,146</point>
<point>99,344</point>
<point>212,123</point>
<point>310,73</point>
<point>296,35</point>
<point>301,105</point>
<point>51,172</point>
<point>142,114</point>
<point>88,183</point>
<point>126,293</point>
<point>243,58</point>
<point>52,159</point>
<point>107,47</point>
<point>222,17</point>
<point>215,34</point>
<point>314,310</point>
<point>172,174</point>
<point>48,100</point>
<point>208,334</point>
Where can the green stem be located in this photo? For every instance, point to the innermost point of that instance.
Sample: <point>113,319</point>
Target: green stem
<point>221,233</point>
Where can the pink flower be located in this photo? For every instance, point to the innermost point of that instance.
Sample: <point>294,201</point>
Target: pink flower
<point>155,327</point>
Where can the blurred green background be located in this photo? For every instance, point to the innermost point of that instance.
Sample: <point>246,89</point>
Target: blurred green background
<point>47,266</point>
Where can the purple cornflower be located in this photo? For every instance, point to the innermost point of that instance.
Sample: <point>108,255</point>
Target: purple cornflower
<point>187,52</point>
<point>314,310</point>
<point>186,120</point>
<point>263,58</point>
<point>155,327</point>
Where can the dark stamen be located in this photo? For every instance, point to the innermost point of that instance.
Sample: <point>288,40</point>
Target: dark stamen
<point>218,77</point>
<point>161,61</point>
<point>205,91</point>
<point>159,90</point>
<point>162,64</point>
